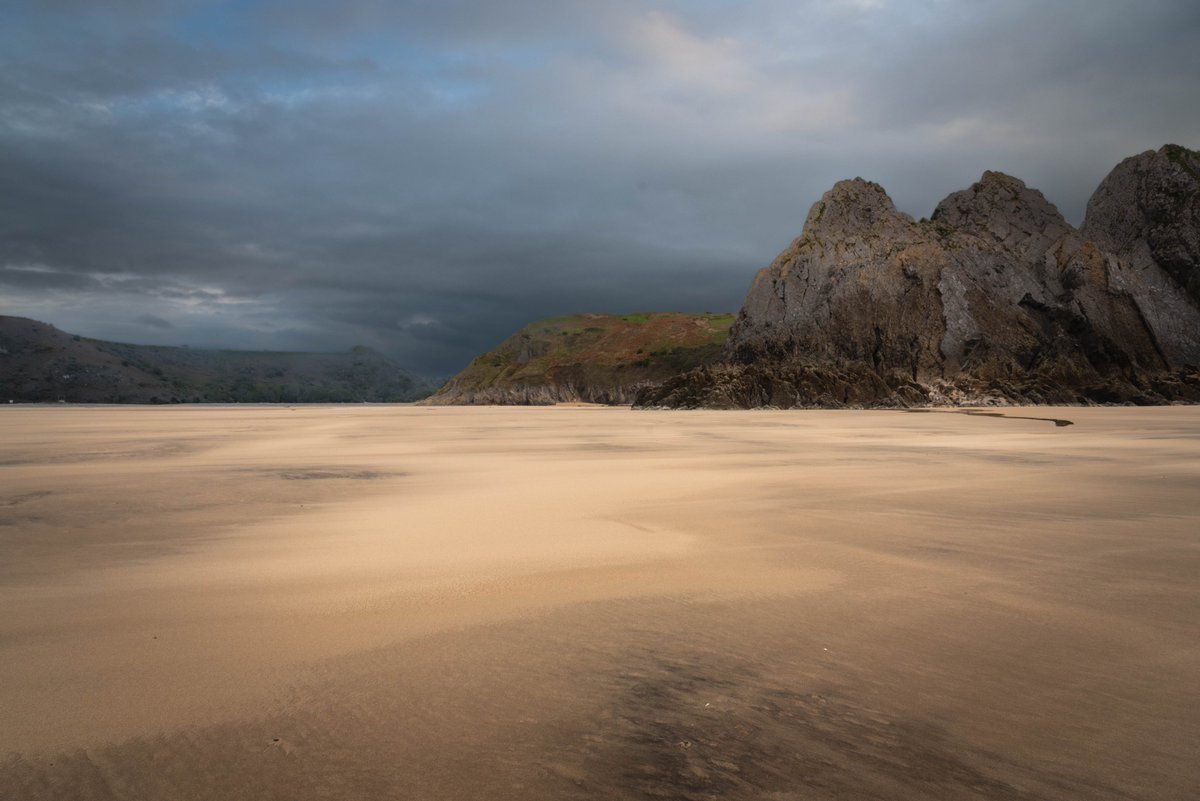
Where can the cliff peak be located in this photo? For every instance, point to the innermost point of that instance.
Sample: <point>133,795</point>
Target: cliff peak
<point>1148,211</point>
<point>1000,178</point>
<point>854,206</point>
<point>1002,209</point>
<point>1178,154</point>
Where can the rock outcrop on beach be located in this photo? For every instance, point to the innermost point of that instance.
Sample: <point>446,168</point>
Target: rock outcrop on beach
<point>592,358</point>
<point>995,298</point>
<point>40,363</point>
<point>1147,212</point>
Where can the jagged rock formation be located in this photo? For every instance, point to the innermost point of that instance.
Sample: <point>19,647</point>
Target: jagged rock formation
<point>592,358</point>
<point>1147,212</point>
<point>994,299</point>
<point>39,363</point>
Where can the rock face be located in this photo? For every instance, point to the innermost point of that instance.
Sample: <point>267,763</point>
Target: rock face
<point>593,358</point>
<point>1147,212</point>
<point>994,299</point>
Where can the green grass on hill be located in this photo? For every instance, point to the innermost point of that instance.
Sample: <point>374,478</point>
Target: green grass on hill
<point>599,350</point>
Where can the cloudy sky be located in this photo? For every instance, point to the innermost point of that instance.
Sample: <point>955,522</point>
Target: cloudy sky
<point>426,177</point>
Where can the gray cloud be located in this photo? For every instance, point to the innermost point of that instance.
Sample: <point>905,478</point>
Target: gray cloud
<point>154,322</point>
<point>423,178</point>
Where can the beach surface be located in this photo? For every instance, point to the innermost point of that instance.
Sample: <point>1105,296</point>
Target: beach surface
<point>359,602</point>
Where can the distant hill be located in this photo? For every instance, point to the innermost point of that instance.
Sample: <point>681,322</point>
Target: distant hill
<point>38,362</point>
<point>597,358</point>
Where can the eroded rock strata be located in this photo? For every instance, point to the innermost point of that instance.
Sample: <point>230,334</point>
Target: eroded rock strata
<point>995,298</point>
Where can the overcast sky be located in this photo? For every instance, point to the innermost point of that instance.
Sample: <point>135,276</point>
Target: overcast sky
<point>425,177</point>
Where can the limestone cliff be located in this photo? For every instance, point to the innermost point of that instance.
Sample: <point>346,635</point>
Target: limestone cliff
<point>994,299</point>
<point>1147,212</point>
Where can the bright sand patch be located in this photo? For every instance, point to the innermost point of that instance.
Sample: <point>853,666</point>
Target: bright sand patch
<point>588,602</point>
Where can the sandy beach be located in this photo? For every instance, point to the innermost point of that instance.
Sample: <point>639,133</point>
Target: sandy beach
<point>359,602</point>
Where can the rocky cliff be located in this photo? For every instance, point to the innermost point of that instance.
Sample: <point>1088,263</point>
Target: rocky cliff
<point>994,299</point>
<point>40,363</point>
<point>594,358</point>
<point>1147,212</point>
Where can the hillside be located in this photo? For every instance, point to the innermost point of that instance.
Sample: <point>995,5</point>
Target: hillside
<point>597,358</point>
<point>994,299</point>
<point>39,363</point>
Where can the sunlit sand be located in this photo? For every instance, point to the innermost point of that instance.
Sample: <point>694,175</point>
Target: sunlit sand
<point>576,602</point>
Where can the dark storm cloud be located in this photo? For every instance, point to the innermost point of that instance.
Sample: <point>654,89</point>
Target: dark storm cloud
<point>424,178</point>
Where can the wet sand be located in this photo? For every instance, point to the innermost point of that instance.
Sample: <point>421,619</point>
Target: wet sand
<point>568,603</point>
